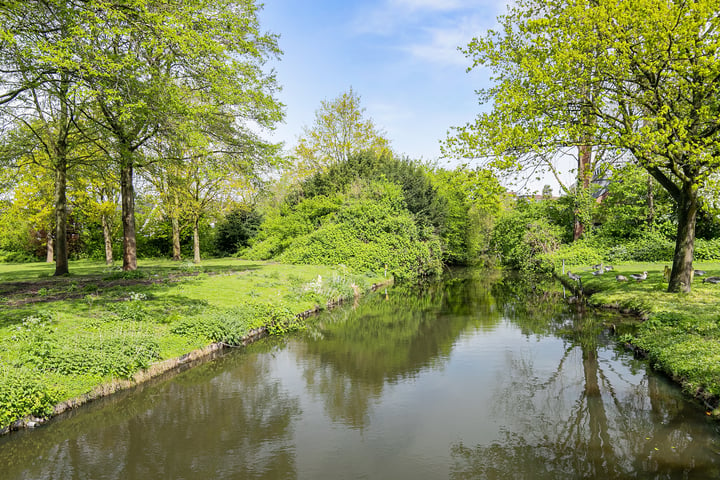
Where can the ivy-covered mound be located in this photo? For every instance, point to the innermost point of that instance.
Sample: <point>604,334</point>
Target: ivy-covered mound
<point>366,213</point>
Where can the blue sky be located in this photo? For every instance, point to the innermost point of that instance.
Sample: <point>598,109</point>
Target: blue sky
<point>400,56</point>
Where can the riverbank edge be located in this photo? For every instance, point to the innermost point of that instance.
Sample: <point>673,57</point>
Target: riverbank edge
<point>711,402</point>
<point>167,366</point>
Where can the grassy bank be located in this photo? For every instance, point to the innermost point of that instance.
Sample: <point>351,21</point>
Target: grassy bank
<point>681,332</point>
<point>63,337</point>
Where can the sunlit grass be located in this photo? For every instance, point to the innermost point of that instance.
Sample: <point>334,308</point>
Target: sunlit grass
<point>681,335</point>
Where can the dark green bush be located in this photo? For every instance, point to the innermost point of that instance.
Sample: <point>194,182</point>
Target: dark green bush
<point>236,230</point>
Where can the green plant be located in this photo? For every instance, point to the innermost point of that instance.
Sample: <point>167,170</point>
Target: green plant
<point>23,392</point>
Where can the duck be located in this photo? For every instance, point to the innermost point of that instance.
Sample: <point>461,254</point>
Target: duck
<point>699,273</point>
<point>597,267</point>
<point>666,273</point>
<point>711,280</point>
<point>621,278</point>
<point>608,268</point>
<point>598,272</point>
<point>639,276</point>
<point>573,276</point>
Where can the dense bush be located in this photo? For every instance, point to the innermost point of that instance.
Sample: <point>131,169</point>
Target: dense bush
<point>23,393</point>
<point>370,229</point>
<point>355,215</point>
<point>232,325</point>
<point>524,239</point>
<point>236,230</point>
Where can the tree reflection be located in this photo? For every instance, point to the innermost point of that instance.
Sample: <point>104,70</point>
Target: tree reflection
<point>350,355</point>
<point>604,434</point>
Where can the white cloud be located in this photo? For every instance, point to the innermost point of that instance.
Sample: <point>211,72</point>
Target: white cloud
<point>430,30</point>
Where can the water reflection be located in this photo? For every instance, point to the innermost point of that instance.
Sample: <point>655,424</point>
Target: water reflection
<point>351,355</point>
<point>589,416</point>
<point>221,420</point>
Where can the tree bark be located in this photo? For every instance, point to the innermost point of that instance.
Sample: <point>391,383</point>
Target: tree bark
<point>127,192</point>
<point>50,257</point>
<point>583,184</point>
<point>107,237</point>
<point>196,240</point>
<point>682,270</point>
<point>176,237</point>
<point>61,246</point>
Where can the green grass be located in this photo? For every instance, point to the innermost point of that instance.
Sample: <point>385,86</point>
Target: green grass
<point>681,333</point>
<point>61,337</point>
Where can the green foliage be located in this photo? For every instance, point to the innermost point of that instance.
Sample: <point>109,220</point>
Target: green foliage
<point>580,252</point>
<point>116,349</point>
<point>370,230</point>
<point>357,214</point>
<point>473,202</point>
<point>625,212</point>
<point>23,393</point>
<point>233,325</point>
<point>236,230</point>
<point>525,239</point>
<point>650,247</point>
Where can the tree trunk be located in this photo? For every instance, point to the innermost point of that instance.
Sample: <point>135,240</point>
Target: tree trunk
<point>128,213</point>
<point>651,201</point>
<point>196,240</point>
<point>107,237</point>
<point>583,184</point>
<point>61,246</point>
<point>176,237</point>
<point>50,257</point>
<point>682,270</point>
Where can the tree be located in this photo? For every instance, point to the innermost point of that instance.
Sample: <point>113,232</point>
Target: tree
<point>41,99</point>
<point>339,131</point>
<point>654,74</point>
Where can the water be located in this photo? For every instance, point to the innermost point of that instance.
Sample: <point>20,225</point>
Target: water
<point>475,377</point>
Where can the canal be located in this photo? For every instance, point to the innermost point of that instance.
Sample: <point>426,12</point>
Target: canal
<point>476,376</point>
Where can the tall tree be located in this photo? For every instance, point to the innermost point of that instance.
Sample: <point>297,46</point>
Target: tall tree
<point>339,130</point>
<point>40,97</point>
<point>655,77</point>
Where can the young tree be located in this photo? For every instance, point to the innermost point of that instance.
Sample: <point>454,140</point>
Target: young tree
<point>655,80</point>
<point>339,131</point>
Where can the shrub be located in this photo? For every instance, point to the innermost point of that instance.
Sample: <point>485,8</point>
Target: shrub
<point>23,392</point>
<point>707,250</point>
<point>581,252</point>
<point>236,230</point>
<point>368,231</point>
<point>232,325</point>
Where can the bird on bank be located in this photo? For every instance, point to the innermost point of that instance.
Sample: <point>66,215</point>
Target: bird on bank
<point>598,272</point>
<point>599,266</point>
<point>711,280</point>
<point>621,278</point>
<point>608,268</point>
<point>699,273</point>
<point>573,276</point>
<point>666,273</point>
<point>639,277</point>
